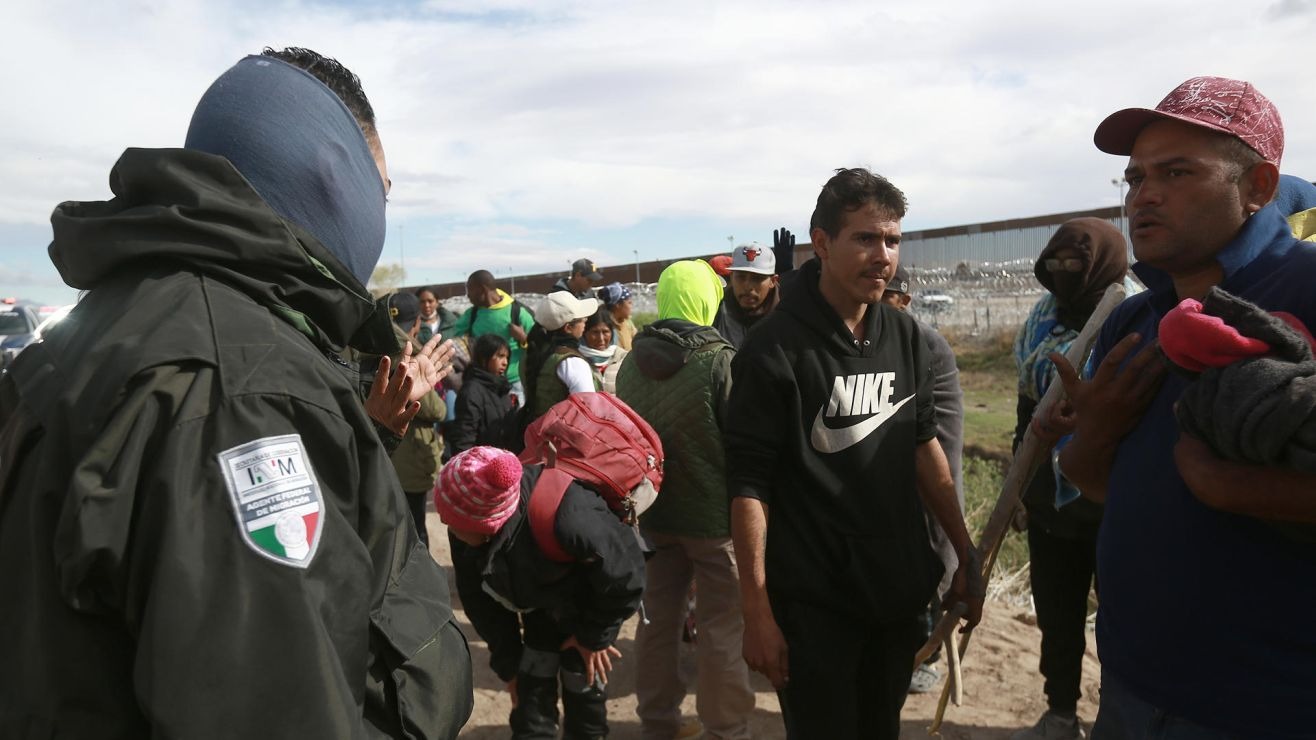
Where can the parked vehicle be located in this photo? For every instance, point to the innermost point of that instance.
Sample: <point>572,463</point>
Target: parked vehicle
<point>20,327</point>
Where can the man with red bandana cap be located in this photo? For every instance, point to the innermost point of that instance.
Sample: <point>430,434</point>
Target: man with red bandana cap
<point>1187,555</point>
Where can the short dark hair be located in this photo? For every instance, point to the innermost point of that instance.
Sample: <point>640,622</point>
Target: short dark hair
<point>1240,156</point>
<point>485,347</point>
<point>601,316</point>
<point>432,290</point>
<point>340,79</point>
<point>851,189</point>
<point>482,278</point>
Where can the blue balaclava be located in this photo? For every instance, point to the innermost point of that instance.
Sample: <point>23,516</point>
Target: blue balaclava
<point>302,150</point>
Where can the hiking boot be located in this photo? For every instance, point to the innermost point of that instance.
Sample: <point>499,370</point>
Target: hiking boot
<point>925,679</point>
<point>1053,726</point>
<point>691,729</point>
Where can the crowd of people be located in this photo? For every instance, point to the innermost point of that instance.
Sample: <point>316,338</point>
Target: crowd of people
<point>216,470</point>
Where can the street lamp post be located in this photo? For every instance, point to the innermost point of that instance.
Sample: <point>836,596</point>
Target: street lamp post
<point>1124,214</point>
<point>636,252</point>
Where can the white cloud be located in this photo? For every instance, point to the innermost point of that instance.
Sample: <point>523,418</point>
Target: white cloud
<point>606,114</point>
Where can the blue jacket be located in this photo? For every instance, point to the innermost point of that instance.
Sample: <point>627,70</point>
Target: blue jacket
<point>1204,613</point>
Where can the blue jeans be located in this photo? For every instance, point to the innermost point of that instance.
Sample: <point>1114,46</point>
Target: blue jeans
<point>1123,716</point>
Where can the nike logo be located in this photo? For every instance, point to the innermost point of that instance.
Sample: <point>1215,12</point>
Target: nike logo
<point>853,395</point>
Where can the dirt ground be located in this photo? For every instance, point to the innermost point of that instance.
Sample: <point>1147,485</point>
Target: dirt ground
<point>1002,688</point>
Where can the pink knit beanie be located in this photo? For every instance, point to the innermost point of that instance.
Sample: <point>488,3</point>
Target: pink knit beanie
<point>478,489</point>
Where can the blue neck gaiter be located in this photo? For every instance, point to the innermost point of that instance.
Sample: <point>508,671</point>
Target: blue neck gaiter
<point>302,150</point>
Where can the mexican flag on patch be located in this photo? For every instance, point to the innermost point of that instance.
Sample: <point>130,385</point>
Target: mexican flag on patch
<point>276,498</point>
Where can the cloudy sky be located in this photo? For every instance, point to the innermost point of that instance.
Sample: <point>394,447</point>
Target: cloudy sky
<point>522,134</point>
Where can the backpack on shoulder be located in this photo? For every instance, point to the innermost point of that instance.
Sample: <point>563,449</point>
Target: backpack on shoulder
<point>599,441</point>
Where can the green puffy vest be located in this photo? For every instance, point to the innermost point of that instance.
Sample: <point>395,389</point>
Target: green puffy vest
<point>693,499</point>
<point>549,389</point>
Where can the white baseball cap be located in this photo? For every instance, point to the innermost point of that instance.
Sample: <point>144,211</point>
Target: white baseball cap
<point>561,307</point>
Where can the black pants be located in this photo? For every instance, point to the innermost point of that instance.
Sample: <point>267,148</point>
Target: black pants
<point>1061,572</point>
<point>927,623</point>
<point>416,502</point>
<point>848,679</point>
<point>543,663</point>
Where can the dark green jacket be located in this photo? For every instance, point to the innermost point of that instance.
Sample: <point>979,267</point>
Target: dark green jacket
<point>137,603</point>
<point>419,455</point>
<point>549,388</point>
<point>678,378</point>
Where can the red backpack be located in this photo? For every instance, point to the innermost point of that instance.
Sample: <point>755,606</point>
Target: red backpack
<point>596,439</point>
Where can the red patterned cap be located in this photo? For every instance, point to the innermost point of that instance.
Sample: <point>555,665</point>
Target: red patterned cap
<point>1229,106</point>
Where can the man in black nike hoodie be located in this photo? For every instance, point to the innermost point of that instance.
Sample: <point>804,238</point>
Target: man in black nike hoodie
<point>831,427</point>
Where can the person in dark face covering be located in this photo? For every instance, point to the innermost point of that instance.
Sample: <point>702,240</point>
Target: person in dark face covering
<point>1082,259</point>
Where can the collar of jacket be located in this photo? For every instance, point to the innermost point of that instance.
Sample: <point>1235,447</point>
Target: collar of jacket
<point>476,374</point>
<point>1263,229</point>
<point>196,211</point>
<point>803,299</point>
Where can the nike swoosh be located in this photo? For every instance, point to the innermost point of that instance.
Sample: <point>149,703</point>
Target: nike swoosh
<point>834,440</point>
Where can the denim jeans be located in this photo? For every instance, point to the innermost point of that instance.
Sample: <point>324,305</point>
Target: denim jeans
<point>1123,716</point>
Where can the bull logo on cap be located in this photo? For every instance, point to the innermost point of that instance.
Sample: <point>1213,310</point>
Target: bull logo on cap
<point>752,253</point>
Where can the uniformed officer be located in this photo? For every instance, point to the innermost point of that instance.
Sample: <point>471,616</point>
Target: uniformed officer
<point>200,531</point>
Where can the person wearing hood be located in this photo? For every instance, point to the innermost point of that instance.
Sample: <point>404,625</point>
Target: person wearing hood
<point>202,533</point>
<point>1083,258</point>
<point>831,427</point>
<point>678,378</point>
<point>751,293</point>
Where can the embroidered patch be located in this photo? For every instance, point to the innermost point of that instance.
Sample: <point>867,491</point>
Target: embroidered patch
<point>276,498</point>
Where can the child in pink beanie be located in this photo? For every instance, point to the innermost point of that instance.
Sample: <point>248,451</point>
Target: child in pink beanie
<point>570,612</point>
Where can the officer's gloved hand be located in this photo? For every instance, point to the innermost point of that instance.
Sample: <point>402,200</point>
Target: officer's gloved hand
<point>783,248</point>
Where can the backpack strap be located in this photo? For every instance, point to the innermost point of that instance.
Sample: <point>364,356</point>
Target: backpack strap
<point>545,499</point>
<point>470,328</point>
<point>475,311</point>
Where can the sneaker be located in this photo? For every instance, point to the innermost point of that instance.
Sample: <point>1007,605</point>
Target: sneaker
<point>1053,726</point>
<point>691,729</point>
<point>925,679</point>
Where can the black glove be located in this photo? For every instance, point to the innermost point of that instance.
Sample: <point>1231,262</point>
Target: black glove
<point>783,249</point>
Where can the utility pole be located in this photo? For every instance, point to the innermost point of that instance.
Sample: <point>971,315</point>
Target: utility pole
<point>636,252</point>
<point>513,276</point>
<point>1124,213</point>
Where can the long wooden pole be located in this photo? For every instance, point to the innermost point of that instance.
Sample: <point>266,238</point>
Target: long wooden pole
<point>1027,458</point>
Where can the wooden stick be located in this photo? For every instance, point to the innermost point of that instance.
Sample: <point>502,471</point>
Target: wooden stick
<point>1027,458</point>
<point>956,676</point>
<point>944,630</point>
